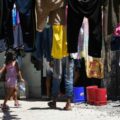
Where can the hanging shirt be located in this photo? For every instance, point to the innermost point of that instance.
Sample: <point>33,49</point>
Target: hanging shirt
<point>24,5</point>
<point>86,7</point>
<point>52,8</point>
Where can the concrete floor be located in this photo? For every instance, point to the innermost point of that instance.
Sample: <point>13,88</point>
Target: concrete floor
<point>38,110</point>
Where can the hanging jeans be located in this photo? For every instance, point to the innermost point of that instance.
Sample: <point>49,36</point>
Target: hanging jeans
<point>77,10</point>
<point>24,5</point>
<point>18,38</point>
<point>64,66</point>
<point>28,30</point>
<point>7,23</point>
<point>43,44</point>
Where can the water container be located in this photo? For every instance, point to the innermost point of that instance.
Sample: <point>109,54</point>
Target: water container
<point>101,96</point>
<point>22,87</point>
<point>78,94</point>
<point>91,94</point>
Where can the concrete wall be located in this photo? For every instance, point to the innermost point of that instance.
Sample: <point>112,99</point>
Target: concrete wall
<point>32,76</point>
<point>2,90</point>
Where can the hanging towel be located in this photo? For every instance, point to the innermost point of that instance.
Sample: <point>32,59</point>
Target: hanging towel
<point>59,45</point>
<point>94,67</point>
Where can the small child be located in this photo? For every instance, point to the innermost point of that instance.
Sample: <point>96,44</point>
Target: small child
<point>12,73</point>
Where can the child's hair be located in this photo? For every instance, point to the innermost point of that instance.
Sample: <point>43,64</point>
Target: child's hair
<point>9,57</point>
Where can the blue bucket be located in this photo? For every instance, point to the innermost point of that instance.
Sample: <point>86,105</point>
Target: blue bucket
<point>78,94</point>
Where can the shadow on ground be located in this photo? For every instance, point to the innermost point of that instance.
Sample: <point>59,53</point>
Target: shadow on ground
<point>45,108</point>
<point>8,116</point>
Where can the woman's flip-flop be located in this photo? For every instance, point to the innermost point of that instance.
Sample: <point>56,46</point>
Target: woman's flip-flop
<point>67,108</point>
<point>17,105</point>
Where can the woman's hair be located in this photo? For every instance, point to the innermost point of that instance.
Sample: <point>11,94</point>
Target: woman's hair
<point>9,57</point>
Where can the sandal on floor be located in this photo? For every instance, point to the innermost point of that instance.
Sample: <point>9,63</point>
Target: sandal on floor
<point>17,105</point>
<point>52,105</point>
<point>67,108</point>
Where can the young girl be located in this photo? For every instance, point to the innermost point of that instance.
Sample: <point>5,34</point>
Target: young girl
<point>12,72</point>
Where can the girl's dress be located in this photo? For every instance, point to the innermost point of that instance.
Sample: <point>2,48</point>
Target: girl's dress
<point>11,75</point>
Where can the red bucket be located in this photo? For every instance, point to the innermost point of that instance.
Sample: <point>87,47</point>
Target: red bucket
<point>91,94</point>
<point>101,96</point>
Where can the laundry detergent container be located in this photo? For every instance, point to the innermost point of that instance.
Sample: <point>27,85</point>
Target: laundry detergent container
<point>101,96</point>
<point>79,94</point>
<point>91,94</point>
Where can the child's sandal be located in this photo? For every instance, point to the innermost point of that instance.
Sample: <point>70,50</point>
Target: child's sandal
<point>5,108</point>
<point>17,104</point>
<point>67,108</point>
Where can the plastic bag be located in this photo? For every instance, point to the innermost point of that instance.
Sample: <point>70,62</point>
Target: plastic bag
<point>22,87</point>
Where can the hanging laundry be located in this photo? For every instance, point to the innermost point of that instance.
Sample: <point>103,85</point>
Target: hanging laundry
<point>59,44</point>
<point>1,17</point>
<point>111,17</point>
<point>116,31</point>
<point>14,15</point>
<point>115,40</point>
<point>28,29</point>
<point>77,10</point>
<point>45,8</point>
<point>94,67</point>
<point>7,23</point>
<point>43,45</point>
<point>18,38</point>
<point>24,5</point>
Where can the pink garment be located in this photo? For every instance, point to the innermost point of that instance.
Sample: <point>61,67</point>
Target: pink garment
<point>11,75</point>
<point>18,18</point>
<point>117,30</point>
<point>66,12</point>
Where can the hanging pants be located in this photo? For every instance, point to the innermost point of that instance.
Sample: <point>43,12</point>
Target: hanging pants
<point>77,10</point>
<point>28,29</point>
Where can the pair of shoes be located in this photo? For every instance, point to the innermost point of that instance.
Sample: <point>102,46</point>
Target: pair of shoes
<point>52,105</point>
<point>67,108</point>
